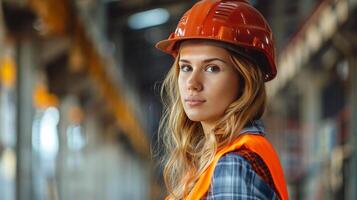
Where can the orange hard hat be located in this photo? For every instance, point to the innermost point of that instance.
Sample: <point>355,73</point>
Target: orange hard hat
<point>233,22</point>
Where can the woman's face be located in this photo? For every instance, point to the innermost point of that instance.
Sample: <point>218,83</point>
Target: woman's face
<point>208,81</point>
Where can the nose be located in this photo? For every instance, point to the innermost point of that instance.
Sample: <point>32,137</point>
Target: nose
<point>194,82</point>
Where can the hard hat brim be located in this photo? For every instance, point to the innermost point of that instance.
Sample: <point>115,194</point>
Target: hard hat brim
<point>170,46</point>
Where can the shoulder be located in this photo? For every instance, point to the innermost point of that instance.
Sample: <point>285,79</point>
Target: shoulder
<point>235,178</point>
<point>231,163</point>
<point>233,168</point>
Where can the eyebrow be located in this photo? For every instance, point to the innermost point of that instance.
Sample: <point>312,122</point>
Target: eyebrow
<point>205,61</point>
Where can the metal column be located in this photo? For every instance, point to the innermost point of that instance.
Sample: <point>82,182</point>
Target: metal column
<point>26,78</point>
<point>352,182</point>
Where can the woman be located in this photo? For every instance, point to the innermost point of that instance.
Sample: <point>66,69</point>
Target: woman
<point>214,96</point>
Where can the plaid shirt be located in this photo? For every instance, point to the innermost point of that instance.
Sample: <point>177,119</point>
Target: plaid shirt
<point>242,175</point>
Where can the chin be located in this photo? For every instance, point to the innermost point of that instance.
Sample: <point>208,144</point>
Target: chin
<point>196,117</point>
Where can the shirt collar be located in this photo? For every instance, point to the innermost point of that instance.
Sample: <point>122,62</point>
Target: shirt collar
<point>254,127</point>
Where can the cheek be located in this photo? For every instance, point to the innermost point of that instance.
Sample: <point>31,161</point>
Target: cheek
<point>233,90</point>
<point>181,86</point>
<point>226,90</point>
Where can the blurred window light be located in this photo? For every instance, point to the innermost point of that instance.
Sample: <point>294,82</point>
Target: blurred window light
<point>148,18</point>
<point>8,164</point>
<point>48,132</point>
<point>45,129</point>
<point>328,23</point>
<point>75,138</point>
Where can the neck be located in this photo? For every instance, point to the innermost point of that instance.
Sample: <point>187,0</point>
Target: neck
<point>207,126</point>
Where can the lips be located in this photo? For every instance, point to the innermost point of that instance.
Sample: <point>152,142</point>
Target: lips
<point>194,101</point>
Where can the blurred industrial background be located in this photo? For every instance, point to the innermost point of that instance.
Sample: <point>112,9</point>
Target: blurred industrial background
<point>80,105</point>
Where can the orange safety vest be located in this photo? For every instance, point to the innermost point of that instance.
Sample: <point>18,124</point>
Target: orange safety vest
<point>255,143</point>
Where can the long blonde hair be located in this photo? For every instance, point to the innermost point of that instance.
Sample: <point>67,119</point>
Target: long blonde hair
<point>188,151</point>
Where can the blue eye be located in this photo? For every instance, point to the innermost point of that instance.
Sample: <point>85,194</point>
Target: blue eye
<point>213,68</point>
<point>185,68</point>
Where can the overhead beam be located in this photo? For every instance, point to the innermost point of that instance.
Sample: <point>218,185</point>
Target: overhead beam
<point>55,15</point>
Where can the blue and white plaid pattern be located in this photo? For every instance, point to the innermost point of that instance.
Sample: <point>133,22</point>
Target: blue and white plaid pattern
<point>255,127</point>
<point>235,179</point>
